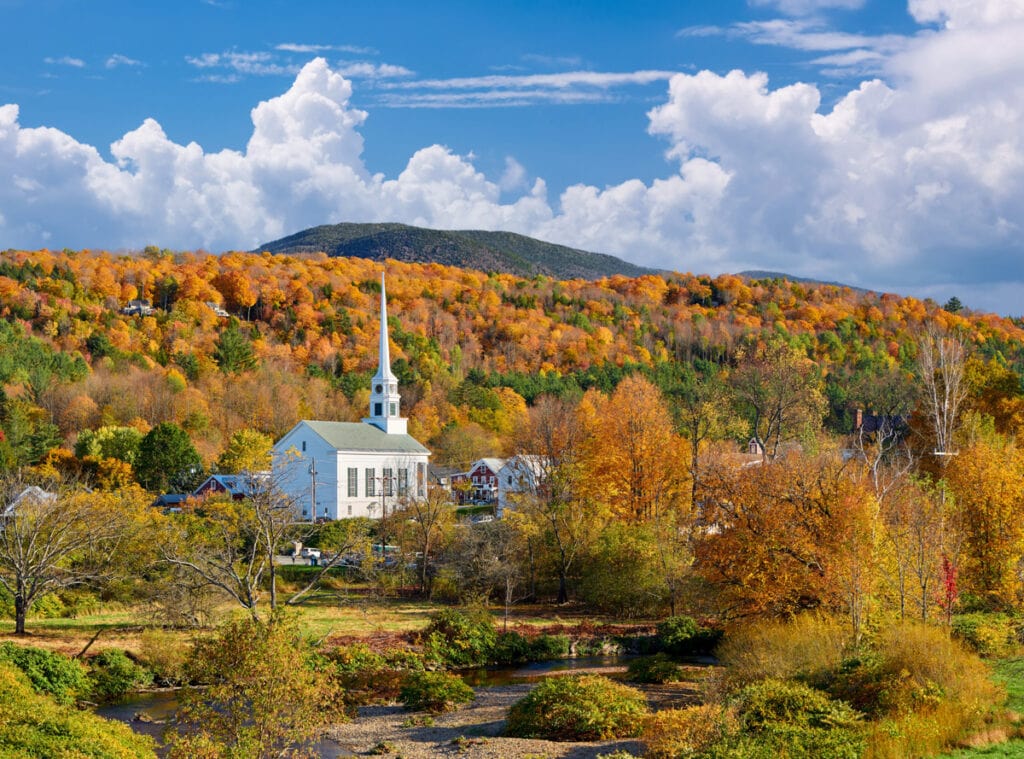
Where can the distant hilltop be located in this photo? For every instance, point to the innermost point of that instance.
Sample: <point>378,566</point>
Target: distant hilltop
<point>504,252</point>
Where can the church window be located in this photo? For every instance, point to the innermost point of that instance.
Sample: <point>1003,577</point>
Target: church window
<point>421,479</point>
<point>371,482</point>
<point>389,484</point>
<point>353,482</point>
<point>403,482</point>
<point>378,409</point>
<point>303,446</point>
<point>394,409</point>
<point>380,388</point>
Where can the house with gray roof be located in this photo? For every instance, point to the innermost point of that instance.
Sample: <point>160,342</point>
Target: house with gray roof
<point>336,470</point>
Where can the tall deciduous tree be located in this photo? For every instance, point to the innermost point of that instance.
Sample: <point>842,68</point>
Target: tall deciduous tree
<point>427,522</point>
<point>702,407</point>
<point>230,545</point>
<point>779,537</point>
<point>247,451</point>
<point>941,360</point>
<point>55,537</point>
<point>560,506</point>
<point>634,456</point>
<point>987,481</point>
<point>779,390</point>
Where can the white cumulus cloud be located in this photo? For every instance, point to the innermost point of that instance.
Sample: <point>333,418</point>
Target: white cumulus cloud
<point>910,181</point>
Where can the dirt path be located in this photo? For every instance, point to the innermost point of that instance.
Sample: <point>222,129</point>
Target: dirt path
<point>474,731</point>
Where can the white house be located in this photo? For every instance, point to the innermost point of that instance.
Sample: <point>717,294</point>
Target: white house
<point>335,470</point>
<point>521,474</point>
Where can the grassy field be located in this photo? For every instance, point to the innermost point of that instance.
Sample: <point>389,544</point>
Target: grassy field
<point>1010,672</point>
<point>341,612</point>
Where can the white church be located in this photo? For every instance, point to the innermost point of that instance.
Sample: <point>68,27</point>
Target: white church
<point>336,470</point>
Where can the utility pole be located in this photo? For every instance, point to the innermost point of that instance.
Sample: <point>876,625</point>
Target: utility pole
<point>312,489</point>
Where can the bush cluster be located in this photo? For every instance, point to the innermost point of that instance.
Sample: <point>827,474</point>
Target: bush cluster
<point>434,692</point>
<point>765,720</point>
<point>513,648</point>
<point>584,708</point>
<point>803,648</point>
<point>371,677</point>
<point>682,636</point>
<point>56,675</point>
<point>467,638</point>
<point>989,635</point>
<point>460,638</point>
<point>654,669</point>
<point>920,691</point>
<point>33,725</point>
<point>113,674</point>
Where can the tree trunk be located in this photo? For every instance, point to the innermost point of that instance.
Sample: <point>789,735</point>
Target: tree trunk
<point>563,588</point>
<point>20,610</point>
<point>273,584</point>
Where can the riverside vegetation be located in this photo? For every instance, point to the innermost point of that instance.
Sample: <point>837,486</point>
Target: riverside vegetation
<point>827,480</point>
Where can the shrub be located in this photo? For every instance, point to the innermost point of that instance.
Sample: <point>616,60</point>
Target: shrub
<point>673,733</point>
<point>586,708</point>
<point>654,669</point>
<point>371,677</point>
<point>65,679</point>
<point>545,647</point>
<point>32,725</point>
<point>989,635</point>
<point>786,718</point>
<point>804,647</point>
<point>113,674</point>
<point>266,693</point>
<point>434,692</point>
<point>682,636</point>
<point>165,654</point>
<point>460,638</point>
<point>512,648</point>
<point>924,689</point>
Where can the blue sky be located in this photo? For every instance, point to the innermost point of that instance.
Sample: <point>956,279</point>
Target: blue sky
<point>876,143</point>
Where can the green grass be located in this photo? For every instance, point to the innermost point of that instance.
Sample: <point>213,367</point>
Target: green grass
<point>1010,750</point>
<point>1009,672</point>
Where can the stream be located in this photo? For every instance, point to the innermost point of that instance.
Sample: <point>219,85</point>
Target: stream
<point>152,712</point>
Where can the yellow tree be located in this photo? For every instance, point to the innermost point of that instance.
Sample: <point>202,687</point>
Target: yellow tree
<point>635,458</point>
<point>987,481</point>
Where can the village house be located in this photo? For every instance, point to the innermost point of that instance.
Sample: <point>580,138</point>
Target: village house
<point>237,486</point>
<point>523,474</point>
<point>480,483</point>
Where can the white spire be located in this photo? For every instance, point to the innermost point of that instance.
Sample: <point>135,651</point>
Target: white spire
<point>385,402</point>
<point>384,352</point>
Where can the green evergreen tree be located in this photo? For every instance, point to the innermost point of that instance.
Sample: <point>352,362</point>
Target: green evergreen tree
<point>233,350</point>
<point>168,460</point>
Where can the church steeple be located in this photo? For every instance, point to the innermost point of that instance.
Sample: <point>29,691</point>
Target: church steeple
<point>384,398</point>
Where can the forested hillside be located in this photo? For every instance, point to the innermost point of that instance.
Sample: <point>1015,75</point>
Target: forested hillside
<point>474,249</point>
<point>472,350</point>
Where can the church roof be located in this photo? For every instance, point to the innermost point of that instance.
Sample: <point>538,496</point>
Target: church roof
<point>360,436</point>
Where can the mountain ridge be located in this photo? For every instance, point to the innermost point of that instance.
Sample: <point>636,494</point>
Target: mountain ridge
<point>505,252</point>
